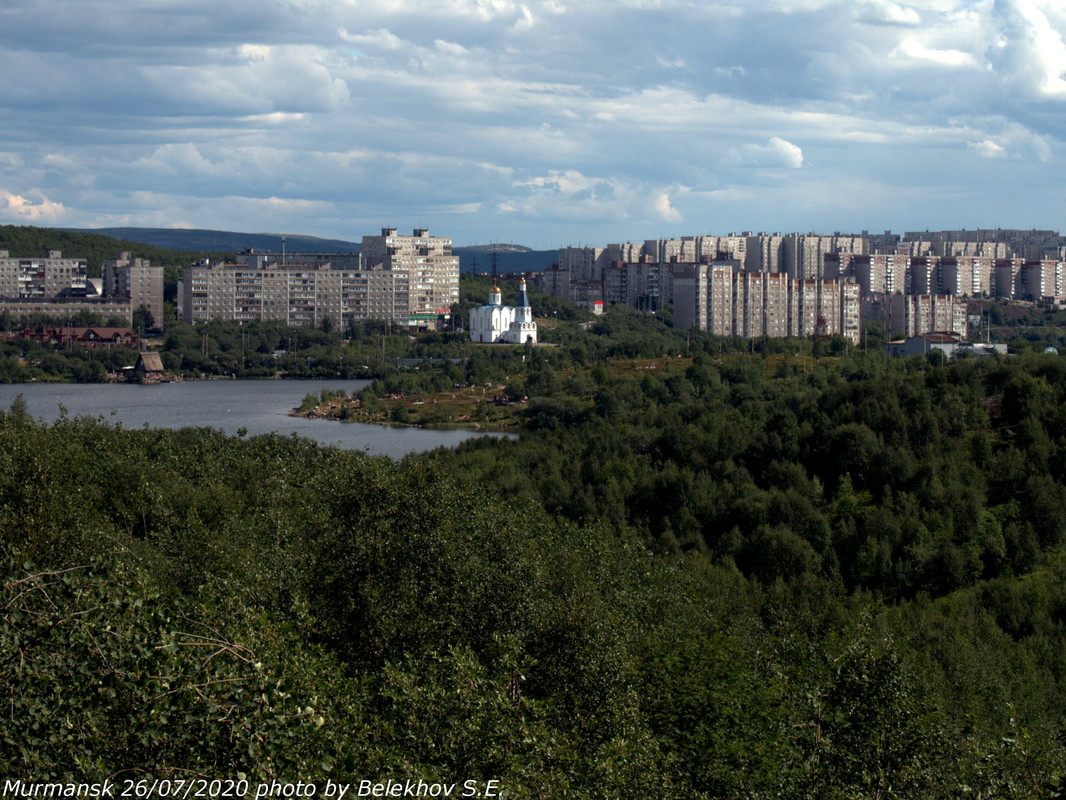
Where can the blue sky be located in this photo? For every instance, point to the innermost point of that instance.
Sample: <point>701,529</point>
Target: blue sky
<point>543,122</point>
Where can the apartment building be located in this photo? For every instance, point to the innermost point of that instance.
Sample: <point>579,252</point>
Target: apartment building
<point>721,292</point>
<point>1031,245</point>
<point>875,273</point>
<point>584,263</point>
<point>804,255</point>
<point>411,280</point>
<point>645,284</point>
<point>704,296</point>
<point>425,273</point>
<point>966,276</point>
<point>59,286</point>
<point>850,311</point>
<point>808,304</point>
<point>777,285</point>
<point>748,304</point>
<point>52,276</point>
<point>915,314</point>
<point>778,312</point>
<point>946,248</point>
<point>1007,278</point>
<point>1043,280</point>
<point>615,283</point>
<point>294,294</point>
<point>727,301</point>
<point>924,272</point>
<point>136,280</point>
<point>557,281</point>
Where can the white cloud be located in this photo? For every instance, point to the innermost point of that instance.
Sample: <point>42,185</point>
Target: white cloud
<point>226,212</point>
<point>253,53</point>
<point>248,80</point>
<point>665,210</point>
<point>34,209</point>
<point>1015,142</point>
<point>986,148</point>
<point>802,6</point>
<point>1029,50</point>
<point>450,48</point>
<point>569,182</point>
<point>671,63</point>
<point>565,194</point>
<point>380,39</point>
<point>777,152</point>
<point>286,204</point>
<point>524,21</point>
<point>274,118</point>
<point>882,12</point>
<point>913,49</point>
<point>59,161</point>
<point>177,159</point>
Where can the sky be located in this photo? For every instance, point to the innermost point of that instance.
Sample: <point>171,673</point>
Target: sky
<point>545,123</point>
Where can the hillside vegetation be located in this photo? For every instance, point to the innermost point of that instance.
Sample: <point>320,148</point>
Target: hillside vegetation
<point>837,577</point>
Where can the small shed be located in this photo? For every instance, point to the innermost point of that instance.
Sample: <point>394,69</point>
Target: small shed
<point>149,368</point>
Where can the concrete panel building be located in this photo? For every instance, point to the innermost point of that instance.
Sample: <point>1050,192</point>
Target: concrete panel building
<point>410,280</point>
<point>58,286</point>
<point>426,273</point>
<point>138,281</point>
<point>966,276</point>
<point>1043,280</point>
<point>1007,278</point>
<point>914,314</point>
<point>727,301</point>
<point>585,263</point>
<point>52,276</point>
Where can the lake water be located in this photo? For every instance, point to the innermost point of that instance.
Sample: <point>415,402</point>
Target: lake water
<point>261,407</point>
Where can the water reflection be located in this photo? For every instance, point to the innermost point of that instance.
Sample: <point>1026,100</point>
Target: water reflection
<point>257,407</point>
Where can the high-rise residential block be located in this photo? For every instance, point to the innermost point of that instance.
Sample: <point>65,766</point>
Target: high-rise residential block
<point>52,276</point>
<point>410,280</point>
<point>425,271</point>
<point>59,286</point>
<point>1043,280</point>
<point>137,280</point>
<point>725,300</point>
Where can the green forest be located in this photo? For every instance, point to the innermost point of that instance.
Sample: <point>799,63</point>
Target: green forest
<point>759,574</point>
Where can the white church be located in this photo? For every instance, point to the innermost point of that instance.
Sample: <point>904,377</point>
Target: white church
<point>499,324</point>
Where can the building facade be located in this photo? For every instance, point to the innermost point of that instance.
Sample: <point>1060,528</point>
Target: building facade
<point>410,280</point>
<point>425,273</point>
<point>725,301</point>
<point>138,281</point>
<point>50,277</point>
<point>59,286</point>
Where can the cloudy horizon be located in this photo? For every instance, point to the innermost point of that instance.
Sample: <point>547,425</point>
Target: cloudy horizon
<point>543,123</point>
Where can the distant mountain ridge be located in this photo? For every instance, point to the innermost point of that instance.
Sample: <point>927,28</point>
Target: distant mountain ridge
<point>208,240</point>
<point>509,257</point>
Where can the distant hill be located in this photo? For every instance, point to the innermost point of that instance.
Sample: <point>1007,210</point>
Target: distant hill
<point>509,257</point>
<point>498,247</point>
<point>226,241</point>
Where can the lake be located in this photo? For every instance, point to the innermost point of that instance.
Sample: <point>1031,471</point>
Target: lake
<point>260,407</point>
